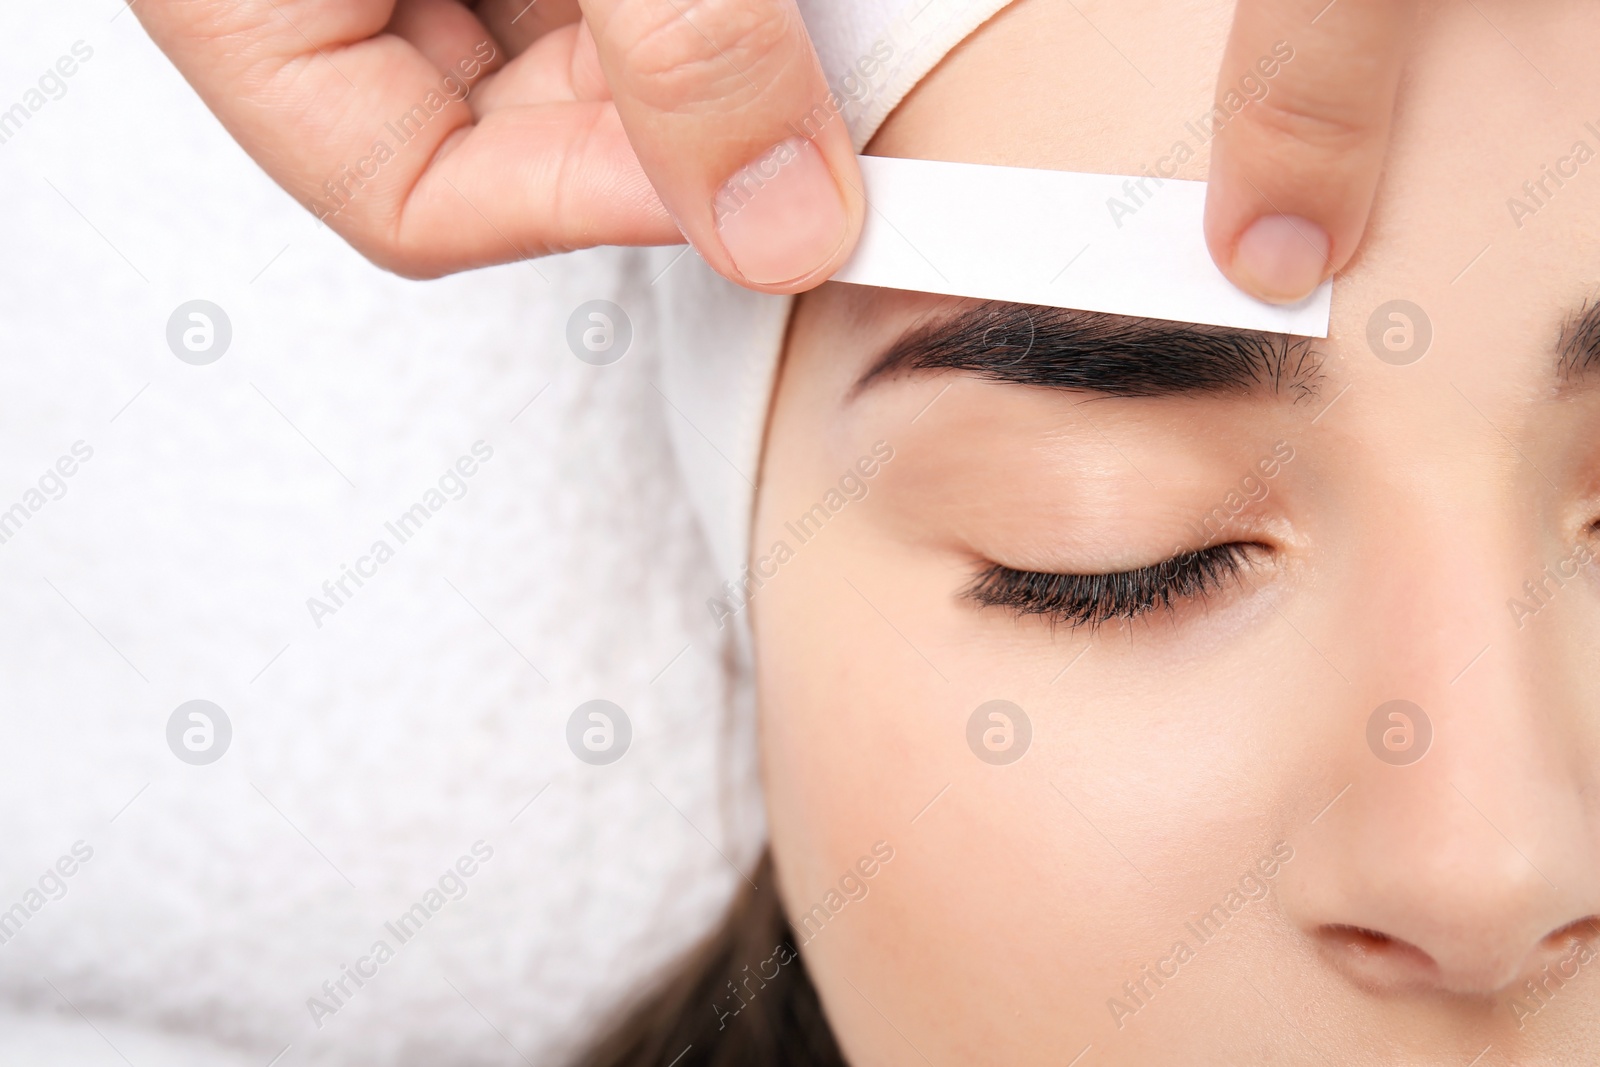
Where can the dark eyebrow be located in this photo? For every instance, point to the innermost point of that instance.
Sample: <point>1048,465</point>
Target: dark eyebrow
<point>1109,354</point>
<point>1578,347</point>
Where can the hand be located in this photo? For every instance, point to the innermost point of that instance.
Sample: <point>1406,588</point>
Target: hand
<point>630,123</point>
<point>1293,172</point>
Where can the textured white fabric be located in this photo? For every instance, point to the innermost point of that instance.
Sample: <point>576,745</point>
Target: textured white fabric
<point>429,711</point>
<point>409,725</point>
<point>873,52</point>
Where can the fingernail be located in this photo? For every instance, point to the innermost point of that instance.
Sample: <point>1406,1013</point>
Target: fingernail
<point>780,216</point>
<point>1281,258</point>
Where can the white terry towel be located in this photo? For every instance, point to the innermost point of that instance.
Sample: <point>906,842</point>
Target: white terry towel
<point>427,714</point>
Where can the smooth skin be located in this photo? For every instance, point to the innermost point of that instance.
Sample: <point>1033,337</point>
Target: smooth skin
<point>621,121</point>
<point>1176,759</point>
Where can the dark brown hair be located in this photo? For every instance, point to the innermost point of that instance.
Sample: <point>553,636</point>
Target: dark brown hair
<point>723,1008</point>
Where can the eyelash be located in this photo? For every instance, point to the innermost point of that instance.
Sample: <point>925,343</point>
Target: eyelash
<point>1092,600</point>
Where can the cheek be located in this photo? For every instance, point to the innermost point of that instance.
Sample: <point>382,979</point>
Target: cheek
<point>870,669</point>
<point>868,676</point>
<point>832,687</point>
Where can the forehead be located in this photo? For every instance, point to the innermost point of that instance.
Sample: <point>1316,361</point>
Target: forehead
<point>1484,232</point>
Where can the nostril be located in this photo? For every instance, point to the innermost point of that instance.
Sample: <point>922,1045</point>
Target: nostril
<point>1374,959</point>
<point>1584,931</point>
<point>1383,963</point>
<point>1357,936</point>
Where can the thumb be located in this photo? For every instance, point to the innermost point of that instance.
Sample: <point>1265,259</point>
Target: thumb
<point>1306,97</point>
<point>727,109</point>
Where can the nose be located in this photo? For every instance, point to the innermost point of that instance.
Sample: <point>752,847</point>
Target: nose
<point>1416,886</point>
<point>1464,862</point>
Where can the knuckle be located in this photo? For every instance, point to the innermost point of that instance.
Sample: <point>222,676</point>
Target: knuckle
<point>681,55</point>
<point>412,268</point>
<point>406,262</point>
<point>1323,125</point>
<point>390,245</point>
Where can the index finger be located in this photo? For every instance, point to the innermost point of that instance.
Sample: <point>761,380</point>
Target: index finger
<point>727,106</point>
<point>375,135</point>
<point>1307,93</point>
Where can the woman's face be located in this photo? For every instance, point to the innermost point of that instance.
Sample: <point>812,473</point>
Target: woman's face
<point>1198,827</point>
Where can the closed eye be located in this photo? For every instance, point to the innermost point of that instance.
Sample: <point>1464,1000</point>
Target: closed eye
<point>1094,599</point>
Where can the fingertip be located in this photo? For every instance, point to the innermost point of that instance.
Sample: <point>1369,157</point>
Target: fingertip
<point>1280,258</point>
<point>785,219</point>
<point>758,169</point>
